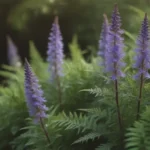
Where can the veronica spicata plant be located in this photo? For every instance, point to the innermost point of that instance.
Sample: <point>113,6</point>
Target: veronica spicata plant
<point>103,42</point>
<point>55,56</point>
<point>115,47</point>
<point>12,53</point>
<point>142,58</point>
<point>55,51</point>
<point>115,54</point>
<point>34,98</point>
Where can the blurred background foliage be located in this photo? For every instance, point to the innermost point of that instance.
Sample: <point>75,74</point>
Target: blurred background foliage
<point>26,20</point>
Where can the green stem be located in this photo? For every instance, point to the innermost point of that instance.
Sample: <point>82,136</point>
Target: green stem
<point>44,130</point>
<point>59,91</point>
<point>140,96</point>
<point>117,103</point>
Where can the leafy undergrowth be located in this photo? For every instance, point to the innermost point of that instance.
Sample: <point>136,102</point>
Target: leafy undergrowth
<point>87,119</point>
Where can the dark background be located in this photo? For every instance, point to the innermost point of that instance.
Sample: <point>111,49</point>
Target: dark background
<point>26,20</point>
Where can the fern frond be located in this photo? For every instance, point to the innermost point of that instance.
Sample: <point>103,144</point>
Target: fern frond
<point>106,146</point>
<point>38,63</point>
<point>90,136</point>
<point>72,121</point>
<point>76,53</point>
<point>98,91</point>
<point>9,75</point>
<point>10,68</point>
<point>95,114</point>
<point>92,110</point>
<point>34,54</point>
<point>138,137</point>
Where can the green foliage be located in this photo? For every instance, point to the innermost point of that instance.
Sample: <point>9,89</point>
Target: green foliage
<point>76,55</point>
<point>38,63</point>
<point>24,11</point>
<point>33,137</point>
<point>78,75</point>
<point>88,117</point>
<point>12,106</point>
<point>138,137</point>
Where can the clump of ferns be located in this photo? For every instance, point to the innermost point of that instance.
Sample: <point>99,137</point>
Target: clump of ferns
<point>138,136</point>
<point>91,125</point>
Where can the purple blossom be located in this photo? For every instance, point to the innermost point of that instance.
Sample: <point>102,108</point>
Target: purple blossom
<point>115,47</point>
<point>55,51</point>
<point>103,42</point>
<point>34,95</point>
<point>142,58</point>
<point>13,57</point>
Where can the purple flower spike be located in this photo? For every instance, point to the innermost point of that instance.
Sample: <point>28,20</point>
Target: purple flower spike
<point>34,95</point>
<point>142,58</point>
<point>13,57</point>
<point>55,51</point>
<point>103,42</point>
<point>115,47</point>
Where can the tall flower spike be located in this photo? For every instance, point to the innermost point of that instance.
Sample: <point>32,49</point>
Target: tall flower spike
<point>34,95</point>
<point>142,58</point>
<point>115,47</point>
<point>12,53</point>
<point>115,55</point>
<point>55,51</point>
<point>103,42</point>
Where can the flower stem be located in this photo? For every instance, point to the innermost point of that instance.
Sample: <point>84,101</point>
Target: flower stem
<point>45,132</point>
<point>140,96</point>
<point>59,91</point>
<point>117,103</point>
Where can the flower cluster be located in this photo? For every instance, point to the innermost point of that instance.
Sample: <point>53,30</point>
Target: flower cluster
<point>34,95</point>
<point>111,48</point>
<point>142,58</point>
<point>55,51</point>
<point>103,42</point>
<point>13,57</point>
<point>115,54</point>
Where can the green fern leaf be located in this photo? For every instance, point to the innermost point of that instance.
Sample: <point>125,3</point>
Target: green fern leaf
<point>106,146</point>
<point>138,137</point>
<point>87,137</point>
